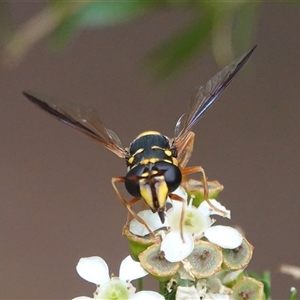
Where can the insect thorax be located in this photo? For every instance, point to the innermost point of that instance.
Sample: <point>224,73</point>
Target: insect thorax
<point>150,147</point>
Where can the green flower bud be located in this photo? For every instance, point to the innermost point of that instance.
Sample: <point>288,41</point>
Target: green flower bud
<point>238,258</point>
<point>205,260</point>
<point>248,288</point>
<point>153,260</point>
<point>195,189</point>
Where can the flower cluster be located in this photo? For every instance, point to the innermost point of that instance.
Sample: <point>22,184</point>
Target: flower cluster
<point>94,269</point>
<point>189,255</point>
<point>195,258</point>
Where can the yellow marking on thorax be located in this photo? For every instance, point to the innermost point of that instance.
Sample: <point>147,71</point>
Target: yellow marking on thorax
<point>131,158</point>
<point>148,133</point>
<point>149,160</point>
<point>168,152</point>
<point>175,161</point>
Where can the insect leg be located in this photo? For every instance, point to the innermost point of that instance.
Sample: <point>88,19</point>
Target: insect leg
<point>191,170</point>
<point>128,204</point>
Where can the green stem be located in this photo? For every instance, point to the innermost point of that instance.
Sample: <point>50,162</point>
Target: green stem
<point>162,286</point>
<point>140,284</point>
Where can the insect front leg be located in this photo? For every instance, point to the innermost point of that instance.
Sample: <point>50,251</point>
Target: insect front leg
<point>191,170</point>
<point>128,204</point>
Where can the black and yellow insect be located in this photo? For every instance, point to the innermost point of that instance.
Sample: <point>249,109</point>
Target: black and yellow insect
<point>156,164</point>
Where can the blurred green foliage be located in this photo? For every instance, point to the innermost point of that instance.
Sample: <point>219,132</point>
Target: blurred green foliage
<point>222,25</point>
<point>211,23</point>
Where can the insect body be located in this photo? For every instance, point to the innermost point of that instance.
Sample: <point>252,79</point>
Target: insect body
<point>155,163</point>
<point>153,171</point>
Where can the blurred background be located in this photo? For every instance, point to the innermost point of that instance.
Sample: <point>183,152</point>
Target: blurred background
<point>138,64</point>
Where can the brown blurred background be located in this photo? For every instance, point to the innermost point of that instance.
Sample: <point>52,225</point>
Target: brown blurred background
<point>57,203</point>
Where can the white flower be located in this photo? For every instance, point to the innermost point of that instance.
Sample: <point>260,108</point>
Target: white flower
<point>194,220</point>
<point>177,247</point>
<point>197,223</point>
<point>178,243</point>
<point>94,269</point>
<point>206,289</point>
<point>152,220</point>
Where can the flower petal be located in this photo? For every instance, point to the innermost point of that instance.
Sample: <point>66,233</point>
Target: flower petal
<point>152,219</point>
<point>194,221</point>
<point>175,248</point>
<point>185,271</point>
<point>185,292</point>
<point>147,295</point>
<point>207,210</point>
<point>130,269</point>
<point>82,298</point>
<point>93,269</point>
<point>224,236</point>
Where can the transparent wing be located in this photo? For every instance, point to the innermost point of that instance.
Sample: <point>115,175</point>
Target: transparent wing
<point>204,97</point>
<point>83,119</point>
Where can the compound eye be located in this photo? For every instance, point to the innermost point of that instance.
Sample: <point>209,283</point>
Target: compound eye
<point>171,173</point>
<point>132,180</point>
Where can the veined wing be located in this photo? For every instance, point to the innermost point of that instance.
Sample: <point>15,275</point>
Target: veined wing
<point>85,120</point>
<point>203,98</point>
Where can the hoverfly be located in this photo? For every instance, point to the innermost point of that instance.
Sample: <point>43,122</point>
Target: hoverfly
<point>156,163</point>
